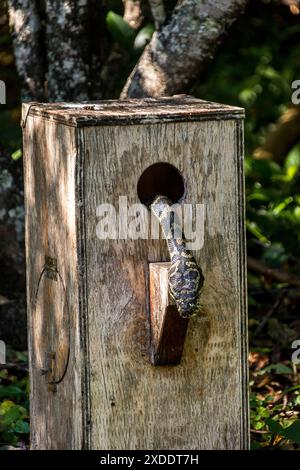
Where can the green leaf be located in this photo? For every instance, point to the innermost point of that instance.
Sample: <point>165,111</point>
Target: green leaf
<point>121,32</point>
<point>263,412</point>
<point>143,36</point>
<point>10,391</point>
<point>5,406</point>
<point>247,96</point>
<point>21,427</point>
<point>259,425</point>
<point>293,158</point>
<point>292,433</point>
<point>282,205</point>
<point>262,170</point>
<point>254,229</point>
<point>297,212</point>
<point>291,172</point>
<point>297,400</point>
<point>16,155</point>
<point>280,369</point>
<point>292,389</point>
<point>260,349</point>
<point>274,427</point>
<point>12,415</point>
<point>257,196</point>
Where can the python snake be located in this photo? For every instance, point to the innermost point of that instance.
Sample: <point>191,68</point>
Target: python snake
<point>185,276</point>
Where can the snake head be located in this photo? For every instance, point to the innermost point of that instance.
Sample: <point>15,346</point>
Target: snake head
<point>188,310</point>
<point>185,285</point>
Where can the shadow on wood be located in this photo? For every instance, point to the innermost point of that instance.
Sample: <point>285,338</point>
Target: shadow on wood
<point>168,328</point>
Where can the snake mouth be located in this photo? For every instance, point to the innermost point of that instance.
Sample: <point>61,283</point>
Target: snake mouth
<point>188,312</point>
<point>187,306</point>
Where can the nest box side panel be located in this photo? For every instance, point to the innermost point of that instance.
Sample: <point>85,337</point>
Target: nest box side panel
<point>52,285</point>
<point>201,403</point>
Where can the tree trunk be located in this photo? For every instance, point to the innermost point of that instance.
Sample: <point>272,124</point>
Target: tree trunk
<point>59,48</point>
<point>178,53</point>
<point>27,41</point>
<point>66,45</point>
<point>67,49</point>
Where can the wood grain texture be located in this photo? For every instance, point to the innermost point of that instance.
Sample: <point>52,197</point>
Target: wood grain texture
<point>52,304</point>
<point>126,112</point>
<point>111,396</point>
<point>133,404</point>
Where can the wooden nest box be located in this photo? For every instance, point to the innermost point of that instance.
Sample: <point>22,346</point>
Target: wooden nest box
<point>111,365</point>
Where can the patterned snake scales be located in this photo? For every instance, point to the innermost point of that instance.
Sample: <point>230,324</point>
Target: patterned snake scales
<point>185,277</point>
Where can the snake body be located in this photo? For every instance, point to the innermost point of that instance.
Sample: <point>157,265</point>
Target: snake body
<point>185,276</point>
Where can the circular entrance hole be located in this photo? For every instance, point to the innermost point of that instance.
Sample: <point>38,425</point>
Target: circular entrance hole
<point>160,179</point>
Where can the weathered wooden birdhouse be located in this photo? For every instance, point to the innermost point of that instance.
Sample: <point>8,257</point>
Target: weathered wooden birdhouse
<point>112,363</point>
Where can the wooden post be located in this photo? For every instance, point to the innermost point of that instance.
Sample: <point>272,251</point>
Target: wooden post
<point>92,381</point>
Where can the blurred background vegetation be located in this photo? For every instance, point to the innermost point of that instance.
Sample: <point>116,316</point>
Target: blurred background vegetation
<point>254,68</point>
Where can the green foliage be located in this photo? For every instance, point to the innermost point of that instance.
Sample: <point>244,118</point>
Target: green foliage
<point>14,405</point>
<point>258,413</point>
<point>120,30</point>
<point>143,37</point>
<point>16,154</point>
<point>13,421</point>
<point>275,427</point>
<point>277,368</point>
<point>10,131</point>
<point>257,73</point>
<point>255,68</point>
<point>273,207</point>
<point>127,38</point>
<point>291,432</point>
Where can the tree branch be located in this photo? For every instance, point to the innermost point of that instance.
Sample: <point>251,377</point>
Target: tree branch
<point>178,53</point>
<point>158,12</point>
<point>133,13</point>
<point>274,273</point>
<point>282,138</point>
<point>271,311</point>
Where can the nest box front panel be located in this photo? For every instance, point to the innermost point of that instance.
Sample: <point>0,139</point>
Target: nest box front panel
<point>132,404</point>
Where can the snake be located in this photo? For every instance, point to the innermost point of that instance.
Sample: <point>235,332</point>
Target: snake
<point>185,276</point>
